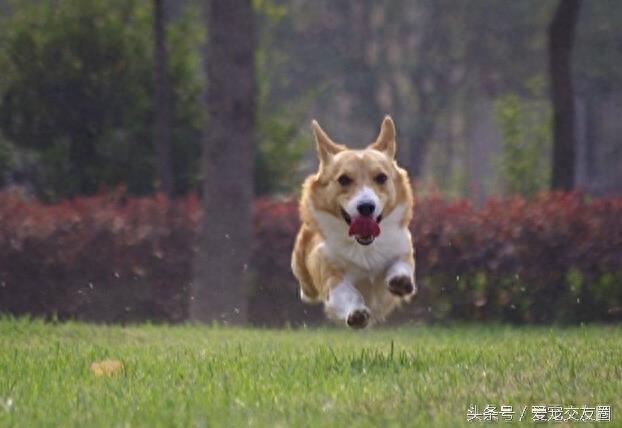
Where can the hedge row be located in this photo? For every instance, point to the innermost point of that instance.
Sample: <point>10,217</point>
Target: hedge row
<point>557,258</point>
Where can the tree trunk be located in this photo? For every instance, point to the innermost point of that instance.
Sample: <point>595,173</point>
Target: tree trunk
<point>561,40</point>
<point>220,288</point>
<point>162,124</point>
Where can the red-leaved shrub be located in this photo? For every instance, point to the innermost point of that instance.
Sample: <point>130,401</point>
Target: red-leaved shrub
<point>556,258</point>
<point>114,258</point>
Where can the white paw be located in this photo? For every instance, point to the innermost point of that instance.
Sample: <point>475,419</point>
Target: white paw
<point>358,318</point>
<point>402,286</point>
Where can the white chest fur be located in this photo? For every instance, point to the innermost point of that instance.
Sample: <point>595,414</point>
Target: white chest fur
<point>358,260</point>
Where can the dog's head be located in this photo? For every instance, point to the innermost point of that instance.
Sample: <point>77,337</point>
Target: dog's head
<point>360,187</point>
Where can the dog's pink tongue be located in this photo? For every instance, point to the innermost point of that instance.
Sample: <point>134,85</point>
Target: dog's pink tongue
<point>364,226</point>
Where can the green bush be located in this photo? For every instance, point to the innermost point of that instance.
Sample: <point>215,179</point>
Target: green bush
<point>524,161</point>
<point>77,98</point>
<point>78,93</point>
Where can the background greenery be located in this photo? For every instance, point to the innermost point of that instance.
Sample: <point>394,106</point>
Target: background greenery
<point>466,83</point>
<point>77,100</point>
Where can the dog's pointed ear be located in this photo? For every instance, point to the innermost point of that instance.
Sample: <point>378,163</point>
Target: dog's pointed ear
<point>385,142</point>
<point>326,148</point>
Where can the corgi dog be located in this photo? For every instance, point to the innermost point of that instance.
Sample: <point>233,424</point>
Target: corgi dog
<point>354,252</point>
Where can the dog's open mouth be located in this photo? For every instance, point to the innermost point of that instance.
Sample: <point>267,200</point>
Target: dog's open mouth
<point>363,229</point>
<point>364,240</point>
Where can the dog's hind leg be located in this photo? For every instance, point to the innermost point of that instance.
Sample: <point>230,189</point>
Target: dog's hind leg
<point>311,299</point>
<point>308,293</point>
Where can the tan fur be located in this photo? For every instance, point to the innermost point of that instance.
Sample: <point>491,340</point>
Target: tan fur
<point>321,192</point>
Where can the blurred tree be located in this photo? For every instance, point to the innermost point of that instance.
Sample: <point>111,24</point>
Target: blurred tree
<point>436,66</point>
<point>279,152</point>
<point>220,288</point>
<point>162,125</point>
<point>62,93</point>
<point>561,39</point>
<point>5,161</point>
<point>435,73</point>
<point>361,64</point>
<point>597,75</point>
<point>77,92</point>
<point>280,143</point>
<point>524,161</point>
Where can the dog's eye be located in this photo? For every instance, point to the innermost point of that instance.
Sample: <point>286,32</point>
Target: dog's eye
<point>380,178</point>
<point>344,180</point>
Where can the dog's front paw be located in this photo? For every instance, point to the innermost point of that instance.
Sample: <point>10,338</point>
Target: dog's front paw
<point>358,318</point>
<point>401,286</point>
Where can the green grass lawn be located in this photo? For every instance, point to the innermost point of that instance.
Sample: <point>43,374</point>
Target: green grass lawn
<point>210,376</point>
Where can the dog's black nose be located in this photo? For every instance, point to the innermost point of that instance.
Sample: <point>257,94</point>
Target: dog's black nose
<point>366,209</point>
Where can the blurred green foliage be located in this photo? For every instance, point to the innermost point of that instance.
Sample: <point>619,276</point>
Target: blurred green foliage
<point>523,164</point>
<point>76,89</point>
<point>5,160</point>
<point>78,94</point>
<point>77,99</point>
<point>280,144</point>
<point>279,150</point>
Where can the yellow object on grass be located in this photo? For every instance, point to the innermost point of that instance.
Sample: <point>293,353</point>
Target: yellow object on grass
<point>106,367</point>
